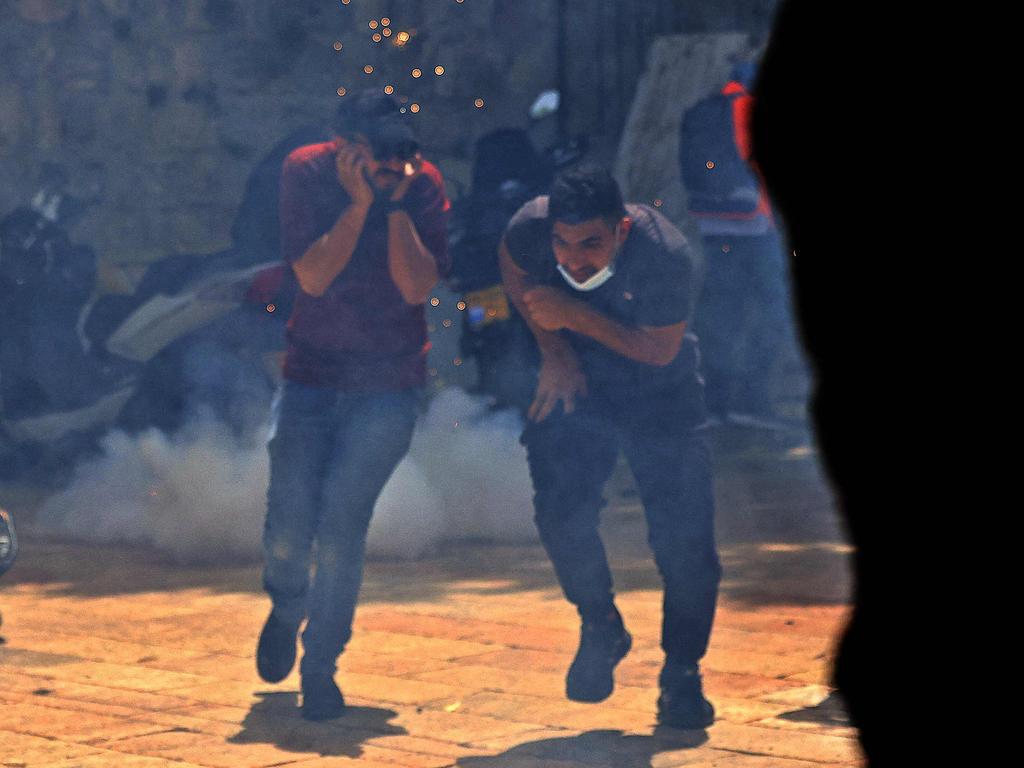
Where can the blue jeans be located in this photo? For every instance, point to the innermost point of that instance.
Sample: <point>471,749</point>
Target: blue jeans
<point>571,457</point>
<point>330,457</point>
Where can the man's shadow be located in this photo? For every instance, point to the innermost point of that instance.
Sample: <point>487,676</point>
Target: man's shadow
<point>275,719</point>
<point>598,747</point>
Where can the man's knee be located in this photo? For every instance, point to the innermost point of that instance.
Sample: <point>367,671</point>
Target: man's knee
<point>687,560</point>
<point>561,514</point>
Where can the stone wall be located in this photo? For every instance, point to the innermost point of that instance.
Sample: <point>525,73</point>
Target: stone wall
<point>157,110</point>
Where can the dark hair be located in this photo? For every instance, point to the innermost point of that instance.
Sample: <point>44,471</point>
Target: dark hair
<point>358,112</point>
<point>584,193</point>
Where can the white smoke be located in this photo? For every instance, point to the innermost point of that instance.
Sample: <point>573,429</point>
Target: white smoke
<point>200,495</point>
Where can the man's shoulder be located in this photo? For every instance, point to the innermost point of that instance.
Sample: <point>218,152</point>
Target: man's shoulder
<point>658,234</point>
<point>532,211</point>
<point>311,156</point>
<point>527,234</point>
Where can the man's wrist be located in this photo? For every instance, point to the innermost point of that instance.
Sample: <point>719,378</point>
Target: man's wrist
<point>392,206</point>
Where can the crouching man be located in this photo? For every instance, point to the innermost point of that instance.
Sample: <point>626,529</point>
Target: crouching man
<point>606,289</point>
<point>363,225</point>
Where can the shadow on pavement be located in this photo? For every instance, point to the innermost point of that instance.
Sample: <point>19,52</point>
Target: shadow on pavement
<point>275,719</point>
<point>599,747</point>
<point>830,711</point>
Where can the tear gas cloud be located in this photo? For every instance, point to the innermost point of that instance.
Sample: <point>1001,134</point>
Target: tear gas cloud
<point>200,494</point>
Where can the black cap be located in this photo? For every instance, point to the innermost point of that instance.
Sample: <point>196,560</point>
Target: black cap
<point>377,116</point>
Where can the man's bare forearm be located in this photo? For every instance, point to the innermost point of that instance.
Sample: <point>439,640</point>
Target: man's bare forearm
<point>412,266</point>
<point>327,258</point>
<point>653,346</point>
<point>551,344</point>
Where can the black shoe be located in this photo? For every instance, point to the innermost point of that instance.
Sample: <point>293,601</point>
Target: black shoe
<point>321,698</point>
<point>682,703</point>
<point>602,646</point>
<point>275,653</point>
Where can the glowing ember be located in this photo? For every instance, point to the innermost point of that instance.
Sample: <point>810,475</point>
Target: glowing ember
<point>376,37</point>
<point>387,32</point>
<point>478,103</point>
<point>435,301</point>
<point>389,89</point>
<point>403,37</point>
<point>417,73</point>
<point>462,306</point>
<point>368,69</point>
<point>271,307</point>
<point>373,24</point>
<point>710,164</point>
<point>438,70</point>
<point>342,91</point>
<point>385,22</point>
<point>337,45</point>
<point>657,203</point>
<point>414,108</point>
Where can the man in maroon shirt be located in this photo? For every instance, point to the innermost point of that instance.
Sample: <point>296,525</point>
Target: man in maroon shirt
<point>363,226</point>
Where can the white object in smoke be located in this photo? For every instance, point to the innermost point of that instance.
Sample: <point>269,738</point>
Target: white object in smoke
<point>546,104</point>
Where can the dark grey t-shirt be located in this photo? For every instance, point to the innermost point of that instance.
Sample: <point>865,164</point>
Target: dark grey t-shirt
<point>651,286</point>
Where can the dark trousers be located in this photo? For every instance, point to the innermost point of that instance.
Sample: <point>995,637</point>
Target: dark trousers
<point>571,457</point>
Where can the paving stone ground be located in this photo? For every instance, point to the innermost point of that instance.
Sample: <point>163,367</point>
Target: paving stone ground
<point>113,656</point>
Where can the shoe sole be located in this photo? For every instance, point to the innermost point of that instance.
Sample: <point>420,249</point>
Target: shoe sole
<point>611,688</point>
<point>267,670</point>
<point>269,678</point>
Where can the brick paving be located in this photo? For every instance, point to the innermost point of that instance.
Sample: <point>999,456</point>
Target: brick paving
<point>117,657</point>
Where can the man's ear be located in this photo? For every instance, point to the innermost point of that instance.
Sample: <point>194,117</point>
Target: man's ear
<point>625,225</point>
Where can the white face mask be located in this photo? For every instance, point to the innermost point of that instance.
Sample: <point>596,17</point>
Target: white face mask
<point>597,279</point>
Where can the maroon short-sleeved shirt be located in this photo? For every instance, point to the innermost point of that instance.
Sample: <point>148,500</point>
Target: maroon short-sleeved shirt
<point>360,335</point>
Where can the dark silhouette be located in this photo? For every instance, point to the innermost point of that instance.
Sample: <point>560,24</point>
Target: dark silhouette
<point>819,143</point>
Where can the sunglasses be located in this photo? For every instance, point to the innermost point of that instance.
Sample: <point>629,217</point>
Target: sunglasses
<point>383,149</point>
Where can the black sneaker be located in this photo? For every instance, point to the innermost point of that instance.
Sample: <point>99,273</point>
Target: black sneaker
<point>602,646</point>
<point>321,698</point>
<point>682,703</point>
<point>275,653</point>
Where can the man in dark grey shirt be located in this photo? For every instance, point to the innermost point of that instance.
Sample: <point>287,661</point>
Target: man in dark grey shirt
<point>606,290</point>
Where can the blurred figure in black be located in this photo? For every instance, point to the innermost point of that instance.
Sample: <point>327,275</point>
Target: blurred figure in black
<point>8,545</point>
<point>507,171</point>
<point>8,542</point>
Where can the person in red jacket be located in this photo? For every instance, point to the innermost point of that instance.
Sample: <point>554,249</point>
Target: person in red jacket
<point>363,226</point>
